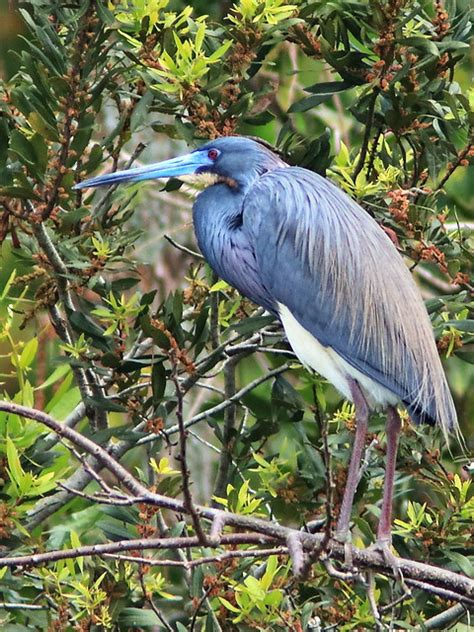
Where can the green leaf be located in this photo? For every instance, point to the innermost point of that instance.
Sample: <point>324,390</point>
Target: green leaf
<point>22,193</point>
<point>105,404</point>
<point>16,472</point>
<point>44,129</point>
<point>58,373</point>
<point>141,110</point>
<point>28,354</point>
<point>254,323</point>
<point>309,102</point>
<point>464,564</point>
<point>158,382</point>
<point>22,148</point>
<point>64,404</point>
<point>461,325</point>
<point>220,285</point>
<point>421,43</point>
<point>85,325</point>
<point>138,618</point>
<point>228,605</point>
<point>329,87</point>
<point>76,543</point>
<point>219,52</point>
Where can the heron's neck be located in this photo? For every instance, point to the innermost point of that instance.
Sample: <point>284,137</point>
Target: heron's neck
<point>217,215</point>
<point>225,243</point>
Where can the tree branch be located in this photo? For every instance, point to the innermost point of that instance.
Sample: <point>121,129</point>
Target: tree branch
<point>229,426</point>
<point>430,578</point>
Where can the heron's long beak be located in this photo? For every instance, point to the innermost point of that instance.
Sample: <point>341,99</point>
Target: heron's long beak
<point>181,166</point>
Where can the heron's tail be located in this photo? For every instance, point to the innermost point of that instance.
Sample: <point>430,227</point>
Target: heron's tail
<point>435,406</point>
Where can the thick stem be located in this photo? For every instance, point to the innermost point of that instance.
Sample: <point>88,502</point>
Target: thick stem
<point>229,427</point>
<point>435,580</point>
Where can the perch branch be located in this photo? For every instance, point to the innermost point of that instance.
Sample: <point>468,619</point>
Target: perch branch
<point>432,579</point>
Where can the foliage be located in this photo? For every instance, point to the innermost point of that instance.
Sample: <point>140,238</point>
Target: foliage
<point>371,94</point>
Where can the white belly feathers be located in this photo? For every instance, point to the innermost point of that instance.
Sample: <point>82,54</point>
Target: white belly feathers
<point>326,362</point>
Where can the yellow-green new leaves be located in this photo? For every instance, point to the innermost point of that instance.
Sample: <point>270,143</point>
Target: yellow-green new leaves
<point>119,313</point>
<point>257,12</point>
<point>25,483</point>
<point>25,359</point>
<point>137,15</point>
<point>190,62</point>
<point>255,594</point>
<point>271,474</point>
<point>162,467</point>
<point>242,501</point>
<point>92,600</point>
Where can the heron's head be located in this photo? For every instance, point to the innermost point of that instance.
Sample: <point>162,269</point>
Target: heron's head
<point>235,160</point>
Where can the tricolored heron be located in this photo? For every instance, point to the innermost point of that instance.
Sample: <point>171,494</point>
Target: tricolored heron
<point>293,242</point>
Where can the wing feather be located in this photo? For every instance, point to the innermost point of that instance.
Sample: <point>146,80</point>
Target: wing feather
<point>320,254</point>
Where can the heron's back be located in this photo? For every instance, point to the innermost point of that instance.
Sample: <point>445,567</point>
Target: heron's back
<point>323,257</point>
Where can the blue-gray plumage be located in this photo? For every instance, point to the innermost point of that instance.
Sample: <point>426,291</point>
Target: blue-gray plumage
<point>296,244</point>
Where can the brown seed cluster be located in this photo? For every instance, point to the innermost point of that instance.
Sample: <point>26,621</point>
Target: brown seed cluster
<point>148,53</point>
<point>146,513</point>
<point>399,206</point>
<point>175,353</point>
<point>61,622</point>
<point>196,293</point>
<point>461,279</point>
<point>242,55</point>
<point>339,614</point>
<point>424,252</point>
<point>301,34</point>
<point>385,74</point>
<point>6,521</point>
<point>210,123</point>
<point>154,425</point>
<point>289,494</point>
<point>71,106</point>
<point>453,340</point>
<point>441,20</point>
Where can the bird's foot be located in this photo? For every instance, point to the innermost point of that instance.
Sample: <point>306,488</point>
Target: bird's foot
<point>384,548</point>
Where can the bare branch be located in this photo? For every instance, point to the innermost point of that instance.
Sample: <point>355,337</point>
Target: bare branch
<point>446,618</point>
<point>436,580</point>
<point>225,460</point>
<point>211,559</point>
<point>188,499</point>
<point>142,544</point>
<point>182,248</point>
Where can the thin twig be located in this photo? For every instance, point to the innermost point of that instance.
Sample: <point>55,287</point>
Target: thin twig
<point>211,559</point>
<point>188,499</point>
<point>182,248</point>
<point>452,167</point>
<point>222,406</point>
<point>370,590</point>
<point>149,599</point>
<point>368,131</point>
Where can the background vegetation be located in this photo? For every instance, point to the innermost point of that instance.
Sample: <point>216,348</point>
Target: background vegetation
<point>112,324</point>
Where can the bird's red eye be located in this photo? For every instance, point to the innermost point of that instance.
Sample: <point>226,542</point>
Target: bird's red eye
<point>212,154</point>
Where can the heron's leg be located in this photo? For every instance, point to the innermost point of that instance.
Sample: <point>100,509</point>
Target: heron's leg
<point>393,427</point>
<point>362,421</point>
<point>384,531</point>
